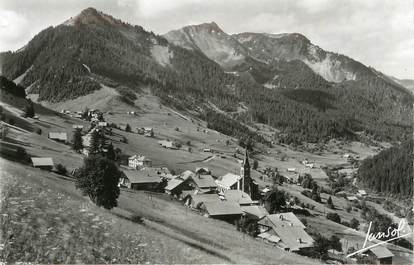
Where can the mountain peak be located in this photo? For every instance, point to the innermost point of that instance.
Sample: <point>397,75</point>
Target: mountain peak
<point>92,16</point>
<point>211,27</point>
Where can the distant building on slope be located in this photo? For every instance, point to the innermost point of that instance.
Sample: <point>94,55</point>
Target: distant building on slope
<point>139,161</point>
<point>42,162</point>
<point>59,136</point>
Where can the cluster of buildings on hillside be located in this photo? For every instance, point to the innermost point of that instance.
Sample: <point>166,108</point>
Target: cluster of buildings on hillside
<point>229,198</point>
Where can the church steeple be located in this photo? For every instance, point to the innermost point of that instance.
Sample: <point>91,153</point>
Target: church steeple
<point>245,174</point>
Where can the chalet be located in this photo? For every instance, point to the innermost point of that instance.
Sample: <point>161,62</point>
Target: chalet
<point>148,132</point>
<point>202,171</point>
<point>58,136</point>
<point>291,169</point>
<point>352,198</point>
<point>167,144</point>
<point>238,196</point>
<point>139,161</point>
<point>362,193</point>
<point>202,183</point>
<point>102,124</point>
<point>289,229</point>
<point>195,200</point>
<point>139,180</point>
<point>176,186</point>
<point>186,174</point>
<point>77,127</point>
<point>255,212</point>
<point>229,181</point>
<point>42,162</point>
<point>380,255</point>
<point>222,210</point>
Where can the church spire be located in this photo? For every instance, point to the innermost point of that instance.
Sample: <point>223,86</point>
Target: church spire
<point>246,159</point>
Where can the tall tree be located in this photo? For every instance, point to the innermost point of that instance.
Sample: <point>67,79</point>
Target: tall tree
<point>77,140</point>
<point>110,154</point>
<point>98,178</point>
<point>95,144</point>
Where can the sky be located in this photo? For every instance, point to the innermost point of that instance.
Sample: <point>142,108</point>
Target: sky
<point>378,33</point>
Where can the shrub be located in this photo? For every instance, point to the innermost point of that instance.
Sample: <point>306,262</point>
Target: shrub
<point>354,223</point>
<point>128,128</point>
<point>61,169</point>
<point>22,155</point>
<point>255,164</point>
<point>11,121</point>
<point>333,217</point>
<point>38,131</point>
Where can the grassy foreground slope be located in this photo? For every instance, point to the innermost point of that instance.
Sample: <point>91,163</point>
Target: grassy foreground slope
<point>44,219</point>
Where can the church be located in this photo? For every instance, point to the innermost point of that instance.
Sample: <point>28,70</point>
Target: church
<point>242,182</point>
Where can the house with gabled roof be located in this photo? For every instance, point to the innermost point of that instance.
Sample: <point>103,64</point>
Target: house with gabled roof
<point>138,161</point>
<point>380,254</point>
<point>289,229</point>
<point>140,180</point>
<point>238,196</point>
<point>222,210</point>
<point>42,162</point>
<point>58,136</point>
<point>229,181</point>
<point>202,183</point>
<point>255,212</point>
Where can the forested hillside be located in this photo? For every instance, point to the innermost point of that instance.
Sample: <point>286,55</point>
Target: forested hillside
<point>390,171</point>
<point>75,58</point>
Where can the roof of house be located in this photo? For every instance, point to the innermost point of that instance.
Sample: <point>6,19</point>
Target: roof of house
<point>294,237</point>
<point>202,170</point>
<point>202,198</point>
<point>238,196</point>
<point>381,252</point>
<point>204,181</point>
<point>186,174</point>
<point>77,126</point>
<point>288,219</point>
<point>258,211</point>
<point>42,161</point>
<point>139,176</point>
<point>139,158</point>
<point>58,135</point>
<point>269,237</point>
<point>173,183</point>
<point>362,192</point>
<point>228,180</point>
<point>215,208</point>
<point>351,198</point>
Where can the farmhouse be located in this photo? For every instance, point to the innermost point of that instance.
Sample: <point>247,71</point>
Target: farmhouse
<point>352,198</point>
<point>59,136</point>
<point>362,193</point>
<point>42,162</point>
<point>238,197</point>
<point>289,229</point>
<point>139,180</point>
<point>255,212</point>
<point>138,161</point>
<point>380,255</point>
<point>222,210</point>
<point>202,171</point>
<point>229,181</point>
<point>77,127</point>
<point>186,174</point>
<point>147,131</point>
<point>176,186</point>
<point>167,144</point>
<point>102,124</point>
<point>195,200</point>
<point>202,183</point>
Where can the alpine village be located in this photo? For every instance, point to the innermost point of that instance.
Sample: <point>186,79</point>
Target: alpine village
<point>119,145</point>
